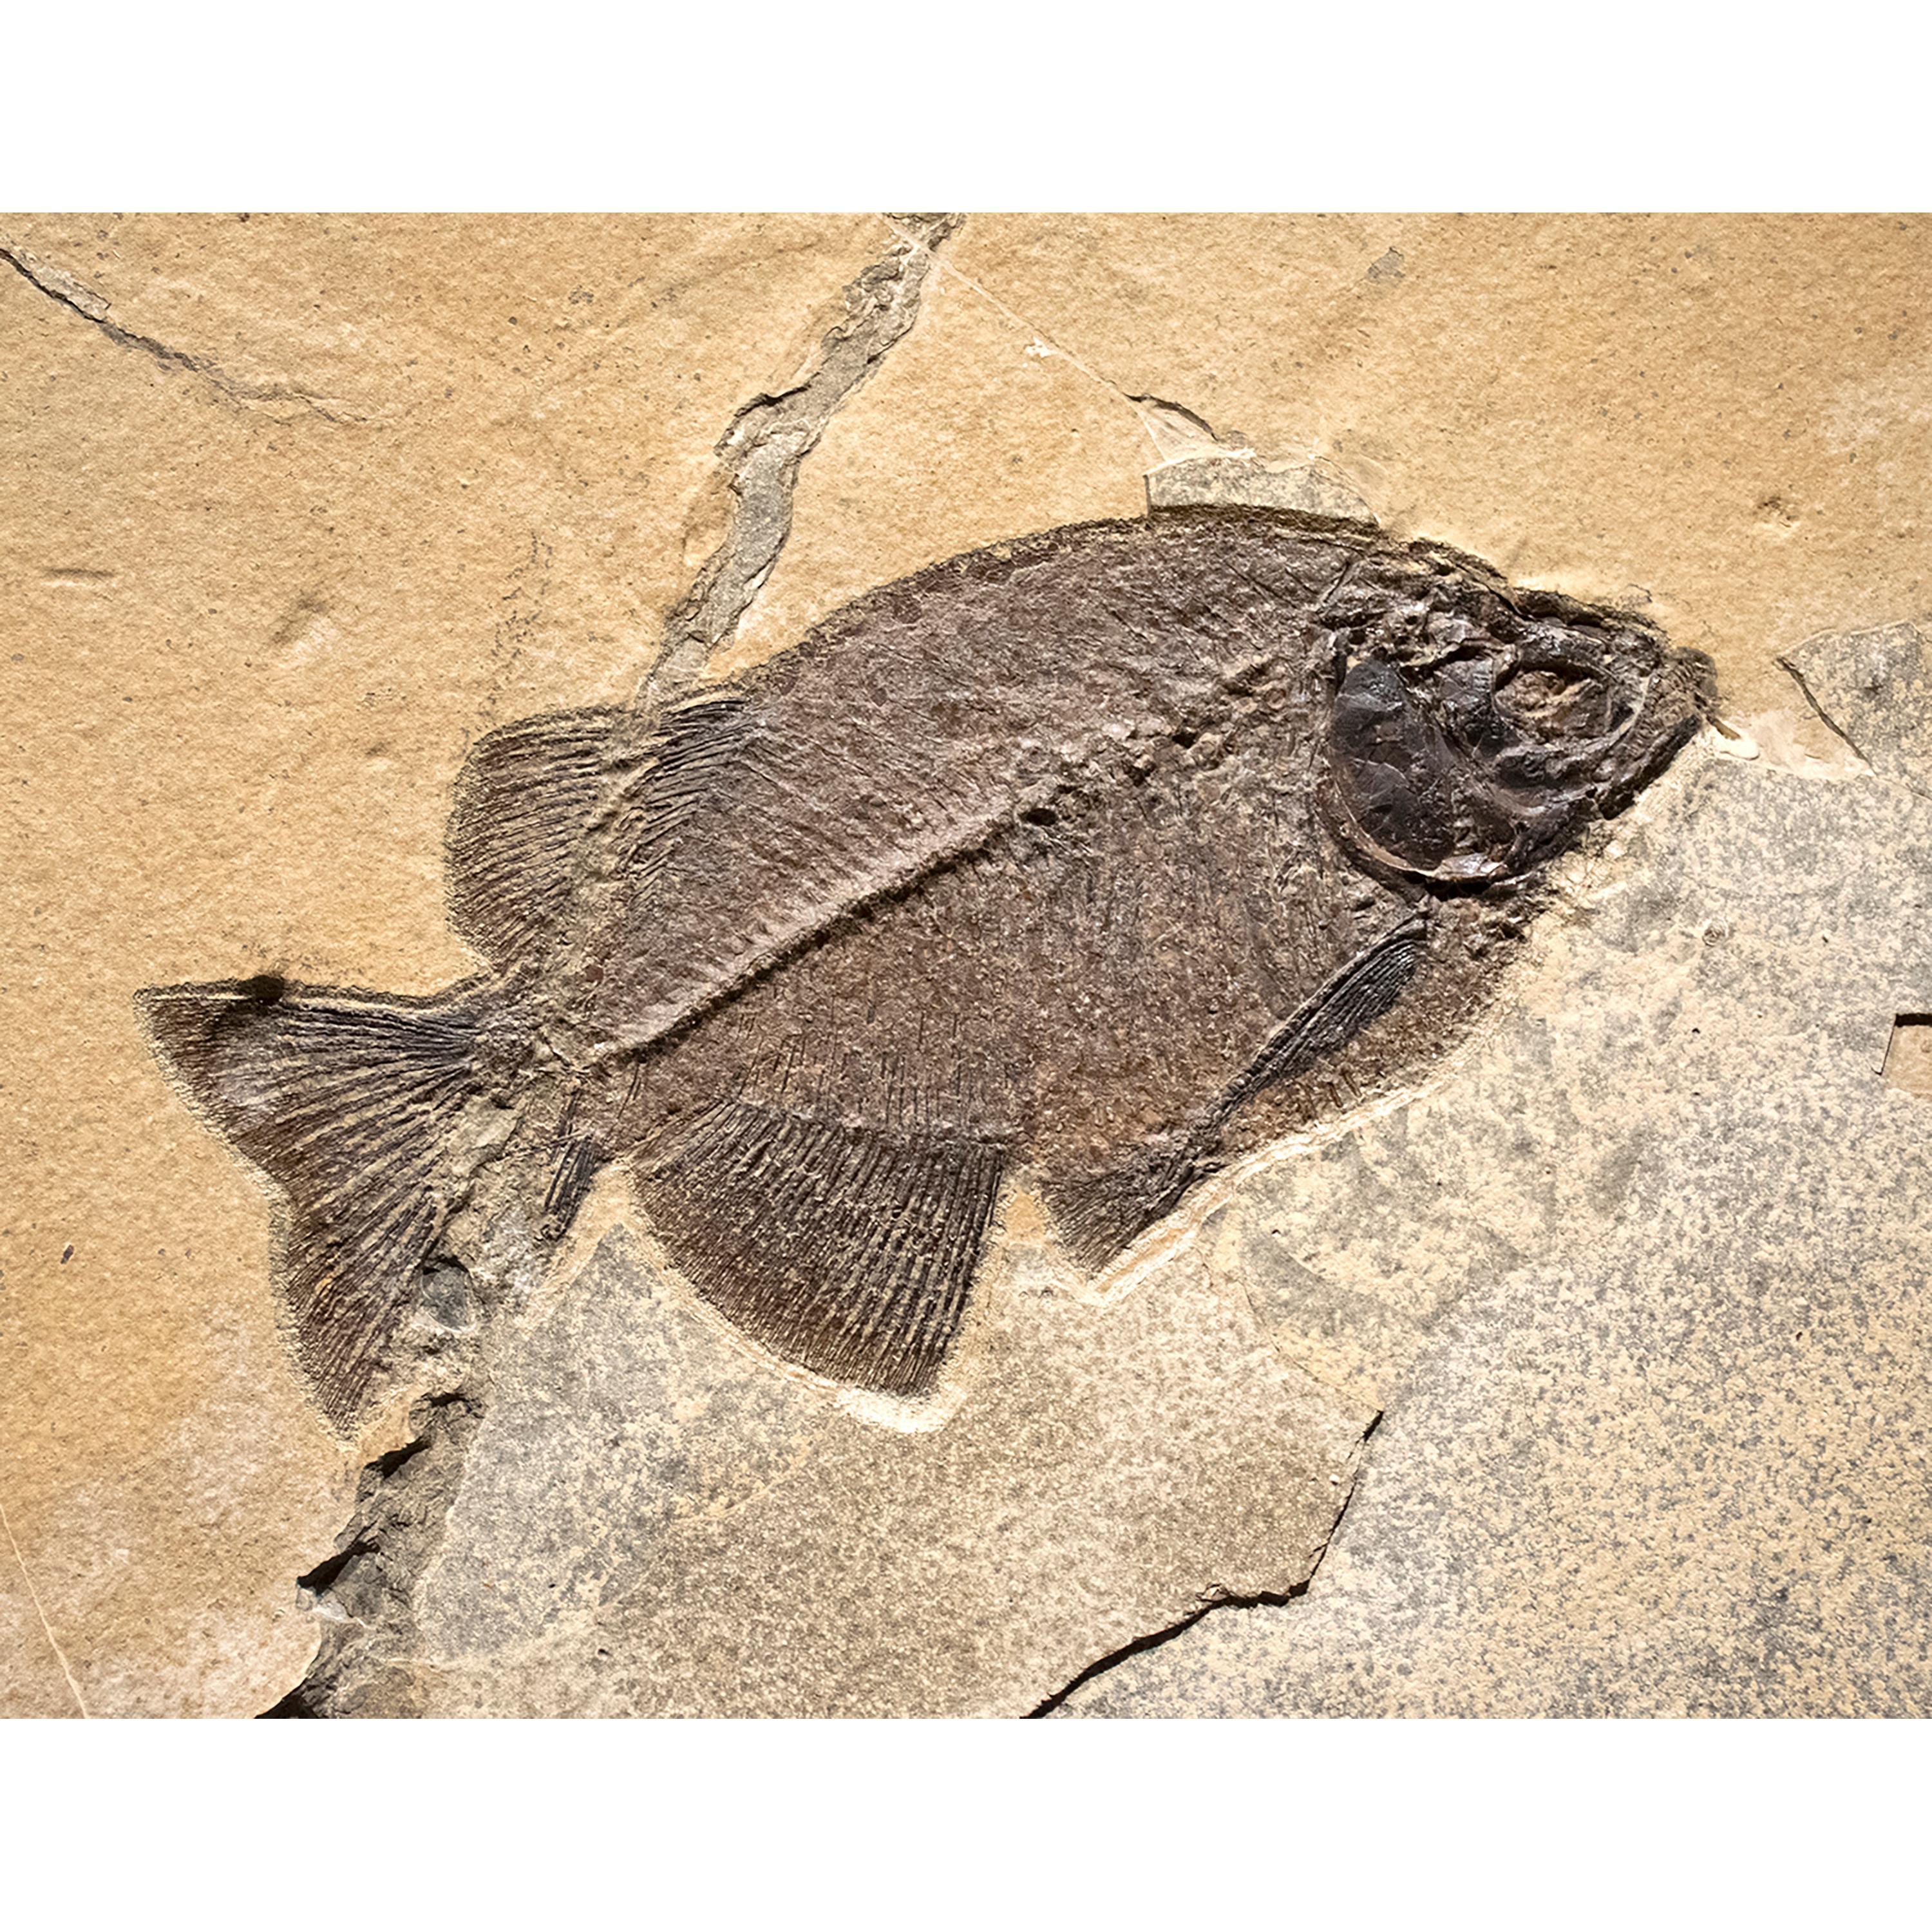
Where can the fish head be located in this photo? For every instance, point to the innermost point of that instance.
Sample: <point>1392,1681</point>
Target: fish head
<point>1474,730</point>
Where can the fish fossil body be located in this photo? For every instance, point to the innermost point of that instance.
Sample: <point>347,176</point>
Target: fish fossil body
<point>1096,857</point>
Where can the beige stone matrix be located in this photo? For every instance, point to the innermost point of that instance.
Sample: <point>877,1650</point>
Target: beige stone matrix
<point>297,508</point>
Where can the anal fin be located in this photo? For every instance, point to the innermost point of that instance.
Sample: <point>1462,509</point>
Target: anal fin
<point>846,1249</point>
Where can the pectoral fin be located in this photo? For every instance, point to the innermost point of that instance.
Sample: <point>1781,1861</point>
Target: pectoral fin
<point>1100,1212</point>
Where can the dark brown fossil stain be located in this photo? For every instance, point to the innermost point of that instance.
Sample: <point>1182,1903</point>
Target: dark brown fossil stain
<point>1101,857</point>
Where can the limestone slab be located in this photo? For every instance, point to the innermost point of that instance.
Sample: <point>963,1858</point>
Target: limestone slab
<point>334,496</point>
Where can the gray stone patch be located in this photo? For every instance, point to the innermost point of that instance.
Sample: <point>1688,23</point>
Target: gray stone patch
<point>1875,689</point>
<point>625,1413</point>
<point>1677,1459</point>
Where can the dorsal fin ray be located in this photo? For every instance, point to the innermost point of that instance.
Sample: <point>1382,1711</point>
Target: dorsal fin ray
<point>531,793</point>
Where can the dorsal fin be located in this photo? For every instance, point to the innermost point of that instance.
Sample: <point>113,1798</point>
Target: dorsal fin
<point>527,793</point>
<point>531,791</point>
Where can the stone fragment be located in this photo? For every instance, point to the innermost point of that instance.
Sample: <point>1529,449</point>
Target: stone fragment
<point>652,1522</point>
<point>1234,480</point>
<point>1874,688</point>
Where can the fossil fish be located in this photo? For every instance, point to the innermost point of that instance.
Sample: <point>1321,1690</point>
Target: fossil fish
<point>1097,857</point>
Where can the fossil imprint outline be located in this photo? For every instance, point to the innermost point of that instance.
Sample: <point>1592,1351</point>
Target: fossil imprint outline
<point>1091,857</point>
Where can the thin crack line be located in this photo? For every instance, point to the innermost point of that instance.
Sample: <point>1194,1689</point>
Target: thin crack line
<point>1156,414</point>
<point>1261,1600</point>
<point>59,286</point>
<point>1844,737</point>
<point>947,270</point>
<point>39,1608</point>
<point>1825,718</point>
<point>1153,1640</point>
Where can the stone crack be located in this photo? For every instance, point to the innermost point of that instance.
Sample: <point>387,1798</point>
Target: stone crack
<point>1259,1600</point>
<point>39,1610</point>
<point>59,286</point>
<point>769,438</point>
<point>1825,718</point>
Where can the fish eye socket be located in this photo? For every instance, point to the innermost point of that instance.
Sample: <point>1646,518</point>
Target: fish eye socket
<point>1558,701</point>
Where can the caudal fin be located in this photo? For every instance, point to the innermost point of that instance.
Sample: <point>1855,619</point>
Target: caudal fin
<point>346,1105</point>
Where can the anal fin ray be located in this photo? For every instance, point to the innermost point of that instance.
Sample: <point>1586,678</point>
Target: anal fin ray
<point>845,1249</point>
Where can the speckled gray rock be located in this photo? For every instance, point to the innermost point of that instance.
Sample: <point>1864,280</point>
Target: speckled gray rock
<point>1875,689</point>
<point>620,1418</point>
<point>1671,1452</point>
<point>652,1521</point>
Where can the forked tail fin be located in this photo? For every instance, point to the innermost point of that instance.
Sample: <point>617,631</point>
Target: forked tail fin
<point>346,1106</point>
